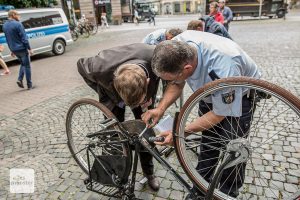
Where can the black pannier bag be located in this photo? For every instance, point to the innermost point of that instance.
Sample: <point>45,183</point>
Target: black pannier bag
<point>114,163</point>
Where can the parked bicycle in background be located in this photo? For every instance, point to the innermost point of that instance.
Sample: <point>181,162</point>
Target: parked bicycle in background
<point>83,28</point>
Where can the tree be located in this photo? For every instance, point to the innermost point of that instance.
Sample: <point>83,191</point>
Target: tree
<point>29,3</point>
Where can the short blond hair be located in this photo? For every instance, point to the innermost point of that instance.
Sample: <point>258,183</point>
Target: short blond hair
<point>11,13</point>
<point>130,81</point>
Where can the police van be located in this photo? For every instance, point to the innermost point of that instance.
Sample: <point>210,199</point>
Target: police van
<point>47,30</point>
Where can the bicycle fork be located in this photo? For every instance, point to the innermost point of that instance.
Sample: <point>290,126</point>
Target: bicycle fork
<point>237,151</point>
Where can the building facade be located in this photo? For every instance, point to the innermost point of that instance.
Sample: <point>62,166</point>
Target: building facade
<point>115,9</point>
<point>92,9</point>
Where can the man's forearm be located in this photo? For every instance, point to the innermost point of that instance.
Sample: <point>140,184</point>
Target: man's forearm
<point>173,91</point>
<point>205,122</point>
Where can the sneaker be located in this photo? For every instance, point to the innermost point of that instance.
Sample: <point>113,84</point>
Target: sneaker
<point>30,88</point>
<point>20,84</point>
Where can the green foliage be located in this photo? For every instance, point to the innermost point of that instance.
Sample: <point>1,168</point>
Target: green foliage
<point>29,3</point>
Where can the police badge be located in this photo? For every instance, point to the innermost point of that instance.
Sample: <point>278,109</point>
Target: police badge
<point>228,98</point>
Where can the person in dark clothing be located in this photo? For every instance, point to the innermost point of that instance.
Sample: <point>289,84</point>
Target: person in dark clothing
<point>123,76</point>
<point>227,13</point>
<point>207,24</point>
<point>211,26</point>
<point>18,44</point>
<point>152,17</point>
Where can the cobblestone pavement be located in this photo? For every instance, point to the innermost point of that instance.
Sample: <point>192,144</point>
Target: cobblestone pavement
<point>36,138</point>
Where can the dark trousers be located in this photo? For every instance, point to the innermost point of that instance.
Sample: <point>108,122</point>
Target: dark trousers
<point>217,137</point>
<point>146,158</point>
<point>226,25</point>
<point>25,68</point>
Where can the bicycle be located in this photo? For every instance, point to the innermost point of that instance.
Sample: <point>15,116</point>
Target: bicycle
<point>92,28</point>
<point>101,145</point>
<point>79,30</point>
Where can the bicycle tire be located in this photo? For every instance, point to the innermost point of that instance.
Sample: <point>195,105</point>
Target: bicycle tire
<point>96,112</point>
<point>74,35</point>
<point>85,32</point>
<point>93,28</point>
<point>285,99</point>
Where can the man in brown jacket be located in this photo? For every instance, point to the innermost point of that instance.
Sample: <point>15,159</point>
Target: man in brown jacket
<point>123,76</point>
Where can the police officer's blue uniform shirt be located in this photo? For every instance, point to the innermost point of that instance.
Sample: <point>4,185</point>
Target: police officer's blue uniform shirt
<point>226,59</point>
<point>155,37</point>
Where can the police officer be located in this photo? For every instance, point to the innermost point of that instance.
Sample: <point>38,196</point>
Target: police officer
<point>160,35</point>
<point>199,58</point>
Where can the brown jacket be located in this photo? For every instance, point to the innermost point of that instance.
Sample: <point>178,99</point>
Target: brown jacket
<point>98,71</point>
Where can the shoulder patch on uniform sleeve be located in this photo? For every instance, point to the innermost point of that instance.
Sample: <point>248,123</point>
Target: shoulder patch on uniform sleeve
<point>159,38</point>
<point>229,97</point>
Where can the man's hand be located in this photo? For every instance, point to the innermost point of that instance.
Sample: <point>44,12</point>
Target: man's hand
<point>152,116</point>
<point>12,54</point>
<point>30,52</point>
<point>168,138</point>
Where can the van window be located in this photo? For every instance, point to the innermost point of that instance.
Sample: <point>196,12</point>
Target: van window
<point>34,20</point>
<point>3,19</point>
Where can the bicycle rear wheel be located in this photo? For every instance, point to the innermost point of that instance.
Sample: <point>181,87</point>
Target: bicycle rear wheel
<point>93,28</point>
<point>270,169</point>
<point>85,117</point>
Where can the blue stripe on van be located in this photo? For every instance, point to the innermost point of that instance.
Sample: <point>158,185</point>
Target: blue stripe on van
<point>41,32</point>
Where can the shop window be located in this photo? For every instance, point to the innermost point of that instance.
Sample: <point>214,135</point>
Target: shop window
<point>177,7</point>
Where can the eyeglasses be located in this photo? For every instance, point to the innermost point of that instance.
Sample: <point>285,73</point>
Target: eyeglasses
<point>145,100</point>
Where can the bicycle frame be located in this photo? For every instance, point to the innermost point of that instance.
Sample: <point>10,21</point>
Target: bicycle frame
<point>138,141</point>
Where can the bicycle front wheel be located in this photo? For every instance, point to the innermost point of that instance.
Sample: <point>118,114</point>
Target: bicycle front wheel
<point>267,137</point>
<point>84,118</point>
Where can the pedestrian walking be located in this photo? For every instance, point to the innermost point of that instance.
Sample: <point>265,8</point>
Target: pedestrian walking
<point>136,16</point>
<point>104,20</point>
<point>213,11</point>
<point>152,17</point>
<point>160,35</point>
<point>122,76</point>
<point>208,24</point>
<point>226,12</point>
<point>198,58</point>
<point>2,62</point>
<point>19,46</point>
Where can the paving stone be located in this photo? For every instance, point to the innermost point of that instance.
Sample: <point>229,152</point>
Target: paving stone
<point>165,183</point>
<point>276,185</point>
<point>164,193</point>
<point>294,160</point>
<point>177,186</point>
<point>278,177</point>
<point>255,190</point>
<point>161,173</point>
<point>62,188</point>
<point>176,195</point>
<point>289,149</point>
<point>291,187</point>
<point>271,193</point>
<point>292,179</point>
<point>145,196</point>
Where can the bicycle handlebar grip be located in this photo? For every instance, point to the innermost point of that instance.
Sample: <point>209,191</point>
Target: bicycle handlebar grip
<point>156,139</point>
